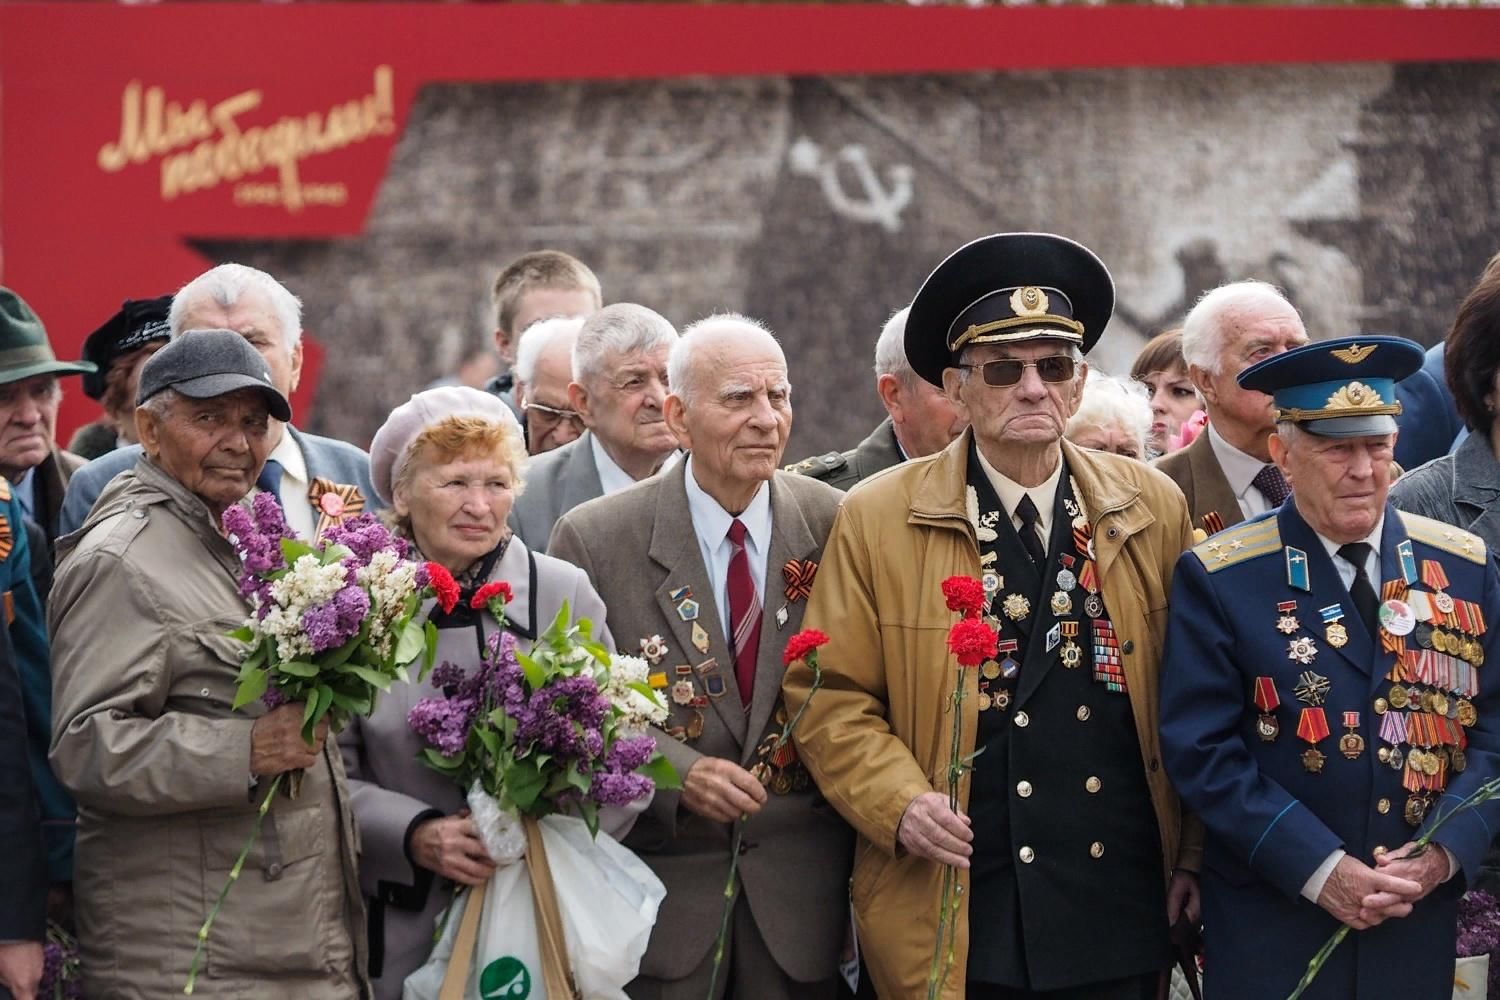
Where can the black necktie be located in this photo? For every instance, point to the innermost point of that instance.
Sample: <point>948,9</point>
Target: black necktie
<point>1272,485</point>
<point>1031,540</point>
<point>269,480</point>
<point>1361,589</point>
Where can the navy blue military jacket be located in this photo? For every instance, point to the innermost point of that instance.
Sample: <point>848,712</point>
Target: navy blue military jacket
<point>1293,731</point>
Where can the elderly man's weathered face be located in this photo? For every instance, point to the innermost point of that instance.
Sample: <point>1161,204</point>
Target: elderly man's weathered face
<point>28,421</point>
<point>550,420</point>
<point>623,406</point>
<point>252,317</point>
<point>1250,337</point>
<point>458,508</point>
<point>1030,414</point>
<point>739,413</point>
<point>926,418</point>
<point>215,447</point>
<point>1340,484</point>
<point>121,383</point>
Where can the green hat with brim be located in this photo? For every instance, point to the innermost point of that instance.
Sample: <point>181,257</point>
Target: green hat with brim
<point>24,348</point>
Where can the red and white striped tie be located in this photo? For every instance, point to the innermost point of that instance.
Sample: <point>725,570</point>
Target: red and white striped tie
<point>744,613</point>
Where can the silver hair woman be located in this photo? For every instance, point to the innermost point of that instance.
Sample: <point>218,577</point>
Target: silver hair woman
<point>1114,416</point>
<point>449,462</point>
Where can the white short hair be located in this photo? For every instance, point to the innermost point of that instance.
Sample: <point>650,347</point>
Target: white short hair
<point>1113,402</point>
<point>1207,324</point>
<point>890,350</point>
<point>226,284</point>
<point>539,337</point>
<point>618,330</point>
<point>680,361</point>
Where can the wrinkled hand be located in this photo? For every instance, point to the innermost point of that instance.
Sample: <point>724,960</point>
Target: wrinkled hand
<point>1183,898</point>
<point>276,743</point>
<point>451,847</point>
<point>1428,869</point>
<point>929,829</point>
<point>1362,897</point>
<point>21,968</point>
<point>721,790</point>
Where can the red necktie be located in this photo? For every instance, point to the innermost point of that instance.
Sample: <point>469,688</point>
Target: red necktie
<point>744,613</point>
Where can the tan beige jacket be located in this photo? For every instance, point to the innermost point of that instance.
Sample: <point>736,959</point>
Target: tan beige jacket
<point>877,736</point>
<point>144,738</point>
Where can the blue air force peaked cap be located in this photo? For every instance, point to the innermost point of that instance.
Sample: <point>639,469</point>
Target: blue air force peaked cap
<point>1008,288</point>
<point>1338,388</point>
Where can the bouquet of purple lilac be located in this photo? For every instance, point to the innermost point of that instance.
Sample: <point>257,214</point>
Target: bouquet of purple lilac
<point>1479,932</point>
<point>332,624</point>
<point>562,728</point>
<point>62,979</point>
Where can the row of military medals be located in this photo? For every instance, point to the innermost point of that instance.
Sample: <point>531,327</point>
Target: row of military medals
<point>996,677</point>
<point>1428,706</point>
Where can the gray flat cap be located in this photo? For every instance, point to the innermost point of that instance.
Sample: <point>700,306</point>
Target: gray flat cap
<point>207,363</point>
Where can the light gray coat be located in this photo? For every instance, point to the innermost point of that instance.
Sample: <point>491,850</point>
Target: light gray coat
<point>638,546</point>
<point>392,790</point>
<point>556,482</point>
<point>145,739</point>
<point>1462,489</point>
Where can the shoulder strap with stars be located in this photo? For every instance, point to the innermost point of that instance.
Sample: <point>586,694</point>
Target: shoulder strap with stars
<point>1243,541</point>
<point>1446,537</point>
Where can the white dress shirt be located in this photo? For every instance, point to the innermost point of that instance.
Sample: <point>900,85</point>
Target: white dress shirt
<point>1240,468</point>
<point>1313,887</point>
<point>612,478</point>
<point>1010,493</point>
<point>295,482</point>
<point>711,525</point>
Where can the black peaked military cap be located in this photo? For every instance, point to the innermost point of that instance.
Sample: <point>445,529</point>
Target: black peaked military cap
<point>1008,288</point>
<point>139,322</point>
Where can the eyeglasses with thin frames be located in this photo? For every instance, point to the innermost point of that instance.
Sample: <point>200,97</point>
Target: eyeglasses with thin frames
<point>553,414</point>
<point>1003,372</point>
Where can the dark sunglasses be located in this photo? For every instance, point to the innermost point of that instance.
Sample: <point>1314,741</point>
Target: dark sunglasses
<point>1008,371</point>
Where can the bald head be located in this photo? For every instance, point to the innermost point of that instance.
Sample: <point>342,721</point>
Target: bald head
<point>731,405</point>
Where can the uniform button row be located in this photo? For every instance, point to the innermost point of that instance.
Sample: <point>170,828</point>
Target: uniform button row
<point>1027,855</point>
<point>1092,785</point>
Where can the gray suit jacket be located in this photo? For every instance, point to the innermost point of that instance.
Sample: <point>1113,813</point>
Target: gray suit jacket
<point>638,546</point>
<point>390,789</point>
<point>556,482</point>
<point>326,457</point>
<point>1196,471</point>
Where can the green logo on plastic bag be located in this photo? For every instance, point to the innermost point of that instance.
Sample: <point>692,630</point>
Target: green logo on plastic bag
<point>505,979</point>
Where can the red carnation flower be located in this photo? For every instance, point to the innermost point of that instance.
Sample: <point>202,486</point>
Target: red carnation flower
<point>972,642</point>
<point>444,586</point>
<point>499,590</point>
<point>965,594</point>
<point>801,644</point>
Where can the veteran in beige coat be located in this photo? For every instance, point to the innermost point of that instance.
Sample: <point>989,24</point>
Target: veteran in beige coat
<point>144,737</point>
<point>1066,815</point>
<point>644,549</point>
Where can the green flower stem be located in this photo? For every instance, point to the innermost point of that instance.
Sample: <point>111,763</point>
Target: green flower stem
<point>731,885</point>
<point>234,874</point>
<point>947,934</point>
<point>1480,795</point>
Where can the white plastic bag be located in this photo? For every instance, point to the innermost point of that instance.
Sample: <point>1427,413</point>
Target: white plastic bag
<point>608,901</point>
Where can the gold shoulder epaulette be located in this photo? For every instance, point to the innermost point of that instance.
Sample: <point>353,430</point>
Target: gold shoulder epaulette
<point>1444,536</point>
<point>1236,544</point>
<point>4,490</point>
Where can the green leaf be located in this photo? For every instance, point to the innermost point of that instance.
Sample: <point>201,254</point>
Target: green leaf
<point>340,656</point>
<point>319,703</point>
<point>429,655</point>
<point>297,668</point>
<point>256,658</point>
<point>524,783</point>
<point>535,675</point>
<point>370,676</point>
<point>293,549</point>
<point>411,643</point>
<point>352,704</point>
<point>336,553</point>
<point>244,633</point>
<point>590,811</point>
<point>436,760</point>
<point>661,772</point>
<point>250,688</point>
<point>577,779</point>
<point>308,708</point>
<point>488,738</point>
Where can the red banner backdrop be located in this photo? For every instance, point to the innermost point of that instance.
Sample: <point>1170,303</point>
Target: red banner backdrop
<point>125,132</point>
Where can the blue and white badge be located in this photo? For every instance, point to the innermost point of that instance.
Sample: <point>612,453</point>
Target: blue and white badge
<point>1054,637</point>
<point>1296,568</point>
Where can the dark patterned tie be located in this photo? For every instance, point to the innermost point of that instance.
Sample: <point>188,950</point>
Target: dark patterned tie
<point>269,480</point>
<point>1363,592</point>
<point>1031,539</point>
<point>1272,485</point>
<point>744,613</point>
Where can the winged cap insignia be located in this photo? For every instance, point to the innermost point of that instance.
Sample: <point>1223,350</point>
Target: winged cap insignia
<point>1354,354</point>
